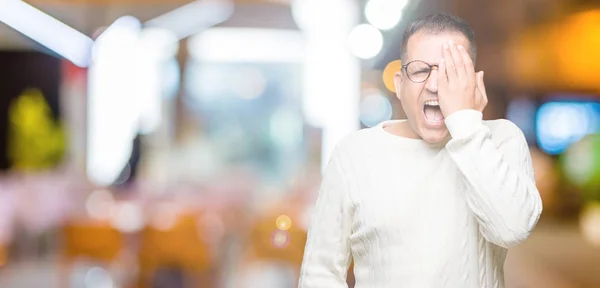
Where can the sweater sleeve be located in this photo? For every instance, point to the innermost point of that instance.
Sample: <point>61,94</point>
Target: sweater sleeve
<point>502,195</point>
<point>327,252</point>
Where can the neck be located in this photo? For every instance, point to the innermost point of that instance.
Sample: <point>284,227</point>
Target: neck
<point>403,129</point>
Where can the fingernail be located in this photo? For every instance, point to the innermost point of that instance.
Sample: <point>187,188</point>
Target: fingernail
<point>445,46</point>
<point>460,47</point>
<point>451,42</point>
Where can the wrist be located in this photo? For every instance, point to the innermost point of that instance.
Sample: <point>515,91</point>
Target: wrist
<point>463,123</point>
<point>448,111</point>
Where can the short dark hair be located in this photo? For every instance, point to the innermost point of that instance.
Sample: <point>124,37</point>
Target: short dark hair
<point>436,24</point>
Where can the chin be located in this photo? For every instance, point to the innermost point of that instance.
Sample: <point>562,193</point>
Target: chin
<point>441,140</point>
<point>435,135</point>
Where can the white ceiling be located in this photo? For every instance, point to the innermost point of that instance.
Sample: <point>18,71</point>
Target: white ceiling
<point>88,18</point>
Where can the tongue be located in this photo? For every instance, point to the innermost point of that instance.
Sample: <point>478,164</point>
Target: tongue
<point>433,113</point>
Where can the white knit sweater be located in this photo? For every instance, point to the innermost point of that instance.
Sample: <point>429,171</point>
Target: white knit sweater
<point>414,215</point>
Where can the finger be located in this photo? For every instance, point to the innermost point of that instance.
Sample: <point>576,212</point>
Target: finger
<point>458,62</point>
<point>442,75</point>
<point>468,62</point>
<point>450,70</point>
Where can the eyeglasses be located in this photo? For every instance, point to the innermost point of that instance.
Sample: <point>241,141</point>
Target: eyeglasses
<point>418,71</point>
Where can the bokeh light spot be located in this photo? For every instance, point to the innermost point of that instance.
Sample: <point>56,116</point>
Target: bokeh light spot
<point>283,222</point>
<point>280,239</point>
<point>388,74</point>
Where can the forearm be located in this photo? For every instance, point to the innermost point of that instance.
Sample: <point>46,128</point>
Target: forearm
<point>501,189</point>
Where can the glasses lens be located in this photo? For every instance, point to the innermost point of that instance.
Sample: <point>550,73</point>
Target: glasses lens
<point>418,71</point>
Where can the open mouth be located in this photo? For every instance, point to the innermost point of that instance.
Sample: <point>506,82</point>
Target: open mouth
<point>433,113</point>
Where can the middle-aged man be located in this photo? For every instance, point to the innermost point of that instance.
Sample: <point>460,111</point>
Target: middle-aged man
<point>431,201</point>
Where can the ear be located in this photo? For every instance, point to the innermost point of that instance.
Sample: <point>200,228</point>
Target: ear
<point>398,84</point>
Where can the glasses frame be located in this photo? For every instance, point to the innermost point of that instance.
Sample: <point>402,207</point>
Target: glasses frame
<point>431,68</point>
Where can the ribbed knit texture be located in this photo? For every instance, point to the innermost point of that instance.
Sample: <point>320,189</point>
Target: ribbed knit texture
<point>415,215</point>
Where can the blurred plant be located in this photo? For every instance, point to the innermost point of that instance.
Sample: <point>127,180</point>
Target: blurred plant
<point>36,141</point>
<point>581,166</point>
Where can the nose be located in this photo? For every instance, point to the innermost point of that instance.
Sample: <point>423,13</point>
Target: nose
<point>431,85</point>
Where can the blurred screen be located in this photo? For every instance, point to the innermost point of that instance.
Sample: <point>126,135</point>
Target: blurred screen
<point>563,122</point>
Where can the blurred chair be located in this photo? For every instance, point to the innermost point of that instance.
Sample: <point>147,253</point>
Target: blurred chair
<point>276,242</point>
<point>273,251</point>
<point>267,242</point>
<point>177,249</point>
<point>92,241</point>
<point>95,240</point>
<point>3,255</point>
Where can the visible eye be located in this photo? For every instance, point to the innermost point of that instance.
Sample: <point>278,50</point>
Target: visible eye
<point>421,71</point>
<point>419,68</point>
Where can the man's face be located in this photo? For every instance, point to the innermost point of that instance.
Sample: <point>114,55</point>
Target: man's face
<point>419,100</point>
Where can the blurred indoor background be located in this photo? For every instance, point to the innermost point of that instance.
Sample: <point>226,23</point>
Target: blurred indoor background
<point>169,143</point>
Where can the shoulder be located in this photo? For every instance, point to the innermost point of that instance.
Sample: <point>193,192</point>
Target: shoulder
<point>358,141</point>
<point>353,151</point>
<point>503,130</point>
<point>355,147</point>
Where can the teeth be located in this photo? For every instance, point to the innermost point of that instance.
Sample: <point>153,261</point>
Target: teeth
<point>432,103</point>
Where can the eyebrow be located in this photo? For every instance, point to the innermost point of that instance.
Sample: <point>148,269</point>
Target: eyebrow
<point>430,63</point>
